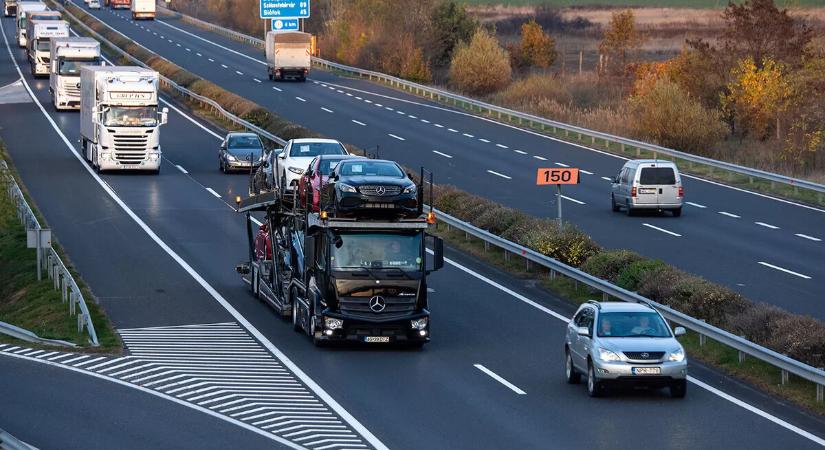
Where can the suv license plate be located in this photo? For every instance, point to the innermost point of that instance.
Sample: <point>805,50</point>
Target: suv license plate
<point>647,370</point>
<point>377,339</point>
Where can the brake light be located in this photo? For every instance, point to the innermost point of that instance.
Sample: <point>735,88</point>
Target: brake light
<point>681,191</point>
<point>633,191</point>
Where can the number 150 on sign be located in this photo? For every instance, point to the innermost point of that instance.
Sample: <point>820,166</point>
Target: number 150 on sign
<point>556,175</point>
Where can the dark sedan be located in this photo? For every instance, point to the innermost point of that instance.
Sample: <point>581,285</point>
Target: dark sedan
<point>240,151</point>
<point>374,187</point>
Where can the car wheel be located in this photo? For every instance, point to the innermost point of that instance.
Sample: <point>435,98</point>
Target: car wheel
<point>570,373</point>
<point>629,210</point>
<point>221,166</point>
<point>678,389</point>
<point>677,212</point>
<point>594,386</point>
<point>616,207</point>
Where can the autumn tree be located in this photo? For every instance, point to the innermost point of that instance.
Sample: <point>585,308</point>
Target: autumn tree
<point>621,38</point>
<point>482,66</point>
<point>757,29</point>
<point>451,25</point>
<point>536,47</point>
<point>805,140</point>
<point>756,97</point>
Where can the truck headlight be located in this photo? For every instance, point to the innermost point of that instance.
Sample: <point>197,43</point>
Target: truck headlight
<point>332,323</point>
<point>676,355</point>
<point>346,188</point>
<point>106,155</point>
<point>154,156</point>
<point>607,355</point>
<point>296,170</point>
<point>419,324</point>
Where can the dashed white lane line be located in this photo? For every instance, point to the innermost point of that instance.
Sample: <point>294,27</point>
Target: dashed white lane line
<point>339,91</point>
<point>584,171</point>
<point>607,179</point>
<point>725,213</point>
<point>397,137</point>
<point>198,54</point>
<point>239,72</point>
<point>178,45</point>
<point>499,175</point>
<point>767,225</point>
<point>425,121</point>
<point>468,135</point>
<point>378,105</point>
<point>810,238</point>
<point>170,41</point>
<point>452,130</point>
<point>359,123</point>
<point>438,125</point>
<point>696,205</point>
<point>486,141</point>
<point>349,95</point>
<point>520,152</point>
<point>277,88</point>
<point>257,80</point>
<point>358,98</point>
<point>211,60</point>
<point>368,101</point>
<point>662,230</point>
<point>212,191</point>
<point>782,269</point>
<point>400,112</point>
<point>572,200</point>
<point>188,49</point>
<point>224,66</point>
<point>496,377</point>
<point>389,109</point>
<point>300,99</point>
<point>540,158</point>
<point>442,154</point>
<point>501,146</point>
<point>181,169</point>
<point>327,110</point>
<point>561,164</point>
<point>411,116</point>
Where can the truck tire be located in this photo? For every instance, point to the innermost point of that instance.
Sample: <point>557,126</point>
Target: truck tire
<point>296,322</point>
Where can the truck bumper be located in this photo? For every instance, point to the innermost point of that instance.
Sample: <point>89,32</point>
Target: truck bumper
<point>41,69</point>
<point>397,331</point>
<point>109,164</point>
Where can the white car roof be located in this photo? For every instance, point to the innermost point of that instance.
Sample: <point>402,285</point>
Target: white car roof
<point>319,140</point>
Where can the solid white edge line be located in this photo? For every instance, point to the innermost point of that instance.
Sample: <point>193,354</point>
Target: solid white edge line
<point>498,378</point>
<point>442,154</point>
<point>782,269</point>
<point>499,174</point>
<point>662,230</point>
<point>310,383</point>
<point>573,200</point>
<point>212,191</point>
<point>810,238</point>
<point>181,169</point>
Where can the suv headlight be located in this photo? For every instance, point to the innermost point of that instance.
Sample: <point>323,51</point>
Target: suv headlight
<point>419,324</point>
<point>409,189</point>
<point>296,170</point>
<point>676,355</point>
<point>333,324</point>
<point>607,355</point>
<point>346,188</point>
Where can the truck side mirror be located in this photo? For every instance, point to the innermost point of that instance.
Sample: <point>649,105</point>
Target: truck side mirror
<point>309,252</point>
<point>438,253</point>
<point>164,115</point>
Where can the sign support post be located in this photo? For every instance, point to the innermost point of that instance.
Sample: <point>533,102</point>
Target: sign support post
<point>558,201</point>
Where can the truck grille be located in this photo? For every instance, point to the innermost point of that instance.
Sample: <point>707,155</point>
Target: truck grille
<point>359,307</point>
<point>72,91</point>
<point>130,149</point>
<point>379,191</point>
<point>644,356</point>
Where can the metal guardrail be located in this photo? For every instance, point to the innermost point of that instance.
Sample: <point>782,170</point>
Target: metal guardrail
<point>521,118</point>
<point>9,442</point>
<point>784,363</point>
<point>49,260</point>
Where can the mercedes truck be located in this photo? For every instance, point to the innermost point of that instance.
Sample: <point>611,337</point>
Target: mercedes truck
<point>67,55</point>
<point>39,34</point>
<point>119,118</point>
<point>21,15</point>
<point>288,54</point>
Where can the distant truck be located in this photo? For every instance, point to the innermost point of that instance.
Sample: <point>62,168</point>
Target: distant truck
<point>143,9</point>
<point>288,54</point>
<point>120,4</point>
<point>119,119</point>
<point>66,56</point>
<point>21,15</point>
<point>9,8</point>
<point>38,46</point>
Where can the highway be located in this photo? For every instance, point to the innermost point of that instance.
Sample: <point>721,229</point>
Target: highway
<point>159,251</point>
<point>770,250</point>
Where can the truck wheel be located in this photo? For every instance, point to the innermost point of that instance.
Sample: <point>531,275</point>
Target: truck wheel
<point>296,323</point>
<point>269,74</point>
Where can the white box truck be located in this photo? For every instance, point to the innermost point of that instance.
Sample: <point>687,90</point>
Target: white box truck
<point>23,10</point>
<point>67,55</point>
<point>288,54</point>
<point>39,34</point>
<point>119,119</point>
<point>143,9</point>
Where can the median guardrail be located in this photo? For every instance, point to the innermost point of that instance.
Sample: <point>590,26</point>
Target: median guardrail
<point>49,260</point>
<point>524,119</point>
<point>743,346</point>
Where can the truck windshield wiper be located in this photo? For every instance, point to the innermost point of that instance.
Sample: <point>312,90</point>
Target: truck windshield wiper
<point>401,271</point>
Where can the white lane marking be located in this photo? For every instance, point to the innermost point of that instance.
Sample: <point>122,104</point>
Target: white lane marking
<point>501,380</point>
<point>327,109</point>
<point>300,99</point>
<point>188,49</point>
<point>239,72</point>
<point>170,41</point>
<point>782,269</point>
<point>561,164</point>
<point>162,22</point>
<point>499,174</point>
<point>400,112</point>
<point>520,152</point>
<point>662,230</point>
<point>442,154</point>
<point>607,179</point>
<point>339,91</point>
<point>198,54</point>
<point>767,225</point>
<point>359,123</point>
<point>257,80</point>
<point>501,146</point>
<point>211,60</point>
<point>181,169</point>
<point>358,98</point>
<point>224,66</point>
<point>540,158</point>
<point>468,135</point>
<point>486,141</point>
<point>696,205</point>
<point>397,137</point>
<point>378,105</point>
<point>178,45</point>
<point>323,84</point>
<point>584,171</point>
<point>277,88</point>
<point>411,116</point>
<point>810,238</point>
<point>438,125</point>
<point>452,130</point>
<point>349,95</point>
<point>425,120</point>
<point>368,101</point>
<point>725,213</point>
<point>572,199</point>
<point>388,108</point>
<point>309,382</point>
<point>212,191</point>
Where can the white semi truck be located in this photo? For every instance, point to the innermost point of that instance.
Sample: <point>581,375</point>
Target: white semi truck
<point>67,55</point>
<point>143,9</point>
<point>23,10</point>
<point>119,119</point>
<point>39,34</point>
<point>288,54</point>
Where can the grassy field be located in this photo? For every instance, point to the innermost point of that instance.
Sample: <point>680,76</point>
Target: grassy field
<point>636,3</point>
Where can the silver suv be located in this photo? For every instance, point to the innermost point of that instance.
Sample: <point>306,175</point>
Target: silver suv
<point>624,343</point>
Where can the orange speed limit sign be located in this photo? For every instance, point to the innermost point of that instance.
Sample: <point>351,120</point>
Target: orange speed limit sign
<point>557,175</point>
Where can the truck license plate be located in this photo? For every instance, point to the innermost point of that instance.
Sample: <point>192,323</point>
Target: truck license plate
<point>377,339</point>
<point>647,370</point>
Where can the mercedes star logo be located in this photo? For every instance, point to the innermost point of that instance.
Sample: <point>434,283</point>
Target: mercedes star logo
<point>380,190</point>
<point>645,355</point>
<point>377,303</point>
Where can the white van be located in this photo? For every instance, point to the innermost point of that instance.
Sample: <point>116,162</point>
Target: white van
<point>648,184</point>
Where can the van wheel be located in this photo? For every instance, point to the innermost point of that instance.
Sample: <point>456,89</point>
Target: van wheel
<point>570,373</point>
<point>677,212</point>
<point>616,207</point>
<point>629,209</point>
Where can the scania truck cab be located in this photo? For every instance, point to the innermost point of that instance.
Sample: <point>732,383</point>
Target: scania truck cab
<point>119,119</point>
<point>21,17</point>
<point>38,46</point>
<point>67,55</point>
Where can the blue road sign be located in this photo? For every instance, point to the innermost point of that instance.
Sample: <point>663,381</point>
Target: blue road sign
<point>275,9</point>
<point>285,24</point>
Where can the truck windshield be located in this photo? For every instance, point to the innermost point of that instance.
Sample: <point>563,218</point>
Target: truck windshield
<point>42,45</point>
<point>131,116</point>
<point>377,251</point>
<point>72,66</point>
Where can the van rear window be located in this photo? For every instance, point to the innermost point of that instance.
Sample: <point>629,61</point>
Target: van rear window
<point>657,175</point>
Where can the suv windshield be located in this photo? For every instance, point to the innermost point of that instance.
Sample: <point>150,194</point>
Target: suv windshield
<point>309,149</point>
<point>370,168</point>
<point>657,175</point>
<point>632,324</point>
<point>72,67</point>
<point>377,251</point>
<point>131,116</point>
